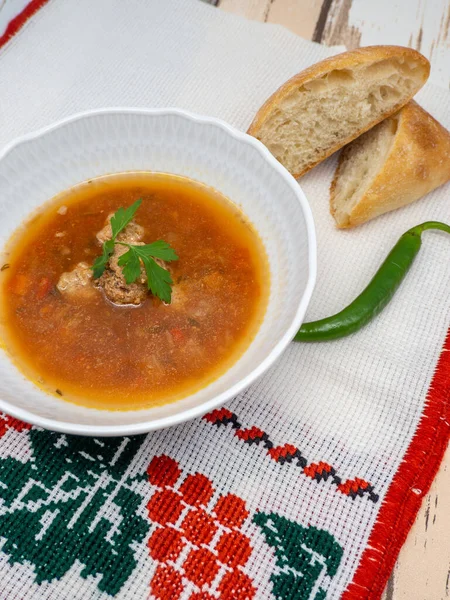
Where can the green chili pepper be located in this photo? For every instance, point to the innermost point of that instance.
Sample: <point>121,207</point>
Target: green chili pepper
<point>376,295</point>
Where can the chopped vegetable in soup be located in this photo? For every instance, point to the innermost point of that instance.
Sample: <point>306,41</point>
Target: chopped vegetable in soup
<point>137,316</point>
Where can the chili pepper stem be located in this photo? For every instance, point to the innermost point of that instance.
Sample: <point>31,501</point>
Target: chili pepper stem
<point>431,225</point>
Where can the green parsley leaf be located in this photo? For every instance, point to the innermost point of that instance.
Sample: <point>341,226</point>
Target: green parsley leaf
<point>101,261</point>
<point>131,265</point>
<point>159,249</point>
<point>158,279</point>
<point>122,217</point>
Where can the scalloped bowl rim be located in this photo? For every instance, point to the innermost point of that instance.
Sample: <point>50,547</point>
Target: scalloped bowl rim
<point>263,366</point>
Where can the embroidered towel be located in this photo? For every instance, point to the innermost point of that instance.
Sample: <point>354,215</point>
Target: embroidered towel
<point>305,486</point>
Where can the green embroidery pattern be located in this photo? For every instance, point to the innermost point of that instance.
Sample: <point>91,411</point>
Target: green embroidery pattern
<point>73,502</point>
<point>53,507</point>
<point>304,555</point>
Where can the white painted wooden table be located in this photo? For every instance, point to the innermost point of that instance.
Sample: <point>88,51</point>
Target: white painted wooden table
<point>422,571</point>
<point>423,568</point>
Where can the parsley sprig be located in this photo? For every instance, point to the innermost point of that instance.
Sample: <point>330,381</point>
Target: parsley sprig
<point>159,280</point>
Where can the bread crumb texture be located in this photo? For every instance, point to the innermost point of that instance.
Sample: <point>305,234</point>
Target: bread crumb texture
<point>395,163</point>
<point>326,106</point>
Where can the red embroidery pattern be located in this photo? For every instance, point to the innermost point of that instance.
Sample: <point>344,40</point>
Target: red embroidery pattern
<point>198,547</point>
<point>289,454</point>
<point>353,486</point>
<point>7,422</point>
<point>19,21</point>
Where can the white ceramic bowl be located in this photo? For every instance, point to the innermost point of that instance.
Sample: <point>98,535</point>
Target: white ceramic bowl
<point>38,166</point>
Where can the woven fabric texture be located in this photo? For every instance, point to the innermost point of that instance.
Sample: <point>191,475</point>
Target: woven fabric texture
<point>276,495</point>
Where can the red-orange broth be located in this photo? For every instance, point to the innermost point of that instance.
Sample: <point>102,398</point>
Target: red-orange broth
<point>94,353</point>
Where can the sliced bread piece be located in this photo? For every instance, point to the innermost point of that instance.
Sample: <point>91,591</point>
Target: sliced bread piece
<point>331,103</point>
<point>398,161</point>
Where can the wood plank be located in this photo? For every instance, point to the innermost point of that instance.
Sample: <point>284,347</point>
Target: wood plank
<point>422,571</point>
<point>300,17</point>
<point>337,26</point>
<point>420,24</point>
<point>252,9</point>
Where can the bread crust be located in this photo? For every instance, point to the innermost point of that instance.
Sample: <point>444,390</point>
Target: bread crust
<point>347,60</point>
<point>417,163</point>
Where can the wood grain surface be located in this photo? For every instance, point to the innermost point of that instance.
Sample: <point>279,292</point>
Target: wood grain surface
<point>422,571</point>
<point>420,24</point>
